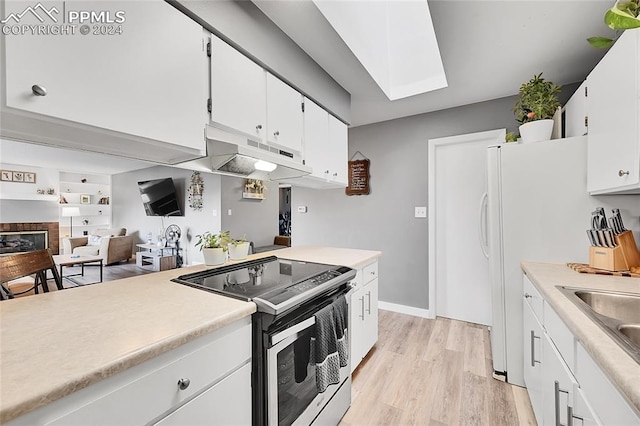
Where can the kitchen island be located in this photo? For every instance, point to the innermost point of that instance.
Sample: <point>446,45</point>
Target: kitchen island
<point>55,345</point>
<point>608,359</point>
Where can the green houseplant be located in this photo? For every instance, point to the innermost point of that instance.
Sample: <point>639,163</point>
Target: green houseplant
<point>622,16</point>
<point>213,247</point>
<point>534,109</point>
<point>238,248</point>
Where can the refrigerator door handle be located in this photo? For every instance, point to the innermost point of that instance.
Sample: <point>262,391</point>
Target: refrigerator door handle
<point>482,229</point>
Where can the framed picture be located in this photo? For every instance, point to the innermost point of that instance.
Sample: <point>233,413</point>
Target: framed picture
<point>85,199</point>
<point>30,177</point>
<point>6,175</point>
<point>18,176</point>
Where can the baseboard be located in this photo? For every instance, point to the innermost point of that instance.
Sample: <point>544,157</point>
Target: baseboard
<point>403,309</point>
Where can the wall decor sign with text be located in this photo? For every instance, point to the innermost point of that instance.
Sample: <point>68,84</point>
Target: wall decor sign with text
<point>358,173</point>
<point>16,176</point>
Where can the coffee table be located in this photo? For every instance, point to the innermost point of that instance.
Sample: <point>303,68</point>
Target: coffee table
<point>63,260</point>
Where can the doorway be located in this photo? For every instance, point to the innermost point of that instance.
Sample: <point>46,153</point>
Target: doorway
<point>458,264</point>
<point>284,212</point>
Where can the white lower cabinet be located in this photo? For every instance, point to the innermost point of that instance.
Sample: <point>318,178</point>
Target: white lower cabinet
<point>565,386</point>
<point>226,403</point>
<point>364,313</point>
<point>205,381</point>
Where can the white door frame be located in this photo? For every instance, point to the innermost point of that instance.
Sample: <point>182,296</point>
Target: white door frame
<point>499,136</point>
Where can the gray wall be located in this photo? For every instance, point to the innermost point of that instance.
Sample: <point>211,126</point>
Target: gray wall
<point>128,212</point>
<point>15,211</point>
<point>255,220</point>
<point>384,220</point>
<point>244,26</point>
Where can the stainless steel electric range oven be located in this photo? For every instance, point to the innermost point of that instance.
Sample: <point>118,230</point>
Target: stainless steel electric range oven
<point>288,295</point>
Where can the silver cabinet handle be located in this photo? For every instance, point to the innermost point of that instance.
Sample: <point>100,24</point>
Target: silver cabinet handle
<point>362,306</point>
<point>326,172</point>
<point>570,416</point>
<point>39,90</point>
<point>556,393</point>
<point>527,296</point>
<point>335,174</point>
<point>369,303</point>
<point>533,349</point>
<point>276,133</point>
<point>184,383</point>
<point>259,127</point>
<point>622,173</point>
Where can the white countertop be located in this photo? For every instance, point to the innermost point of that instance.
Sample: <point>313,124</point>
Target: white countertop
<point>55,343</point>
<point>621,369</point>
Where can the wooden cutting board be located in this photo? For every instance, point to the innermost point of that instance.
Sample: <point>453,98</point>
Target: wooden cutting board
<point>586,269</point>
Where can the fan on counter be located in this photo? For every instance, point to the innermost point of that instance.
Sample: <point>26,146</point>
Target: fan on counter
<point>172,235</point>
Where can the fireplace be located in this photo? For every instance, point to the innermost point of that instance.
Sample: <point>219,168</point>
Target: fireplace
<point>23,241</point>
<point>24,237</point>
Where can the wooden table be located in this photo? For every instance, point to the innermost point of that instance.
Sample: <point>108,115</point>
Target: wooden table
<point>63,260</point>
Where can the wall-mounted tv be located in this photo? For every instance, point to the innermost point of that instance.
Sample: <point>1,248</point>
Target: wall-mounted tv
<point>159,197</point>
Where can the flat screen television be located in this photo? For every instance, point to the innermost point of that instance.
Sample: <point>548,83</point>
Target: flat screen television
<point>159,197</point>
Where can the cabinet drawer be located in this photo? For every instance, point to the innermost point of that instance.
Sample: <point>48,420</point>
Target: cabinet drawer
<point>560,335</point>
<point>532,296</point>
<point>607,402</point>
<point>370,272</point>
<point>226,403</point>
<point>148,396</point>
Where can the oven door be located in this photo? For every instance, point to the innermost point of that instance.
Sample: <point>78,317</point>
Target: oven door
<point>292,396</point>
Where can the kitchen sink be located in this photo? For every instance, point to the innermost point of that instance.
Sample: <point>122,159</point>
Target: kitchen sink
<point>632,332</point>
<point>621,306</point>
<point>617,313</point>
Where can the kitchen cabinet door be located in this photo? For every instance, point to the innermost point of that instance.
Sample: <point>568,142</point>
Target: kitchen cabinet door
<point>575,113</point>
<point>238,91</point>
<point>371,315</point>
<point>149,81</point>
<point>338,147</point>
<point>316,139</point>
<point>532,358</point>
<point>557,385</point>
<point>226,403</point>
<point>284,115</point>
<point>357,324</point>
<point>614,117</point>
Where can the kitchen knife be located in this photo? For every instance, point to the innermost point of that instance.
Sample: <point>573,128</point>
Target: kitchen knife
<point>592,239</point>
<point>618,216</point>
<point>602,238</point>
<point>613,222</point>
<point>608,237</point>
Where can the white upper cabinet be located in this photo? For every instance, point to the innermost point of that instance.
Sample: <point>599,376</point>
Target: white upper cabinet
<point>575,113</point>
<point>284,115</point>
<point>338,142</point>
<point>316,139</point>
<point>613,106</point>
<point>136,88</point>
<point>238,91</point>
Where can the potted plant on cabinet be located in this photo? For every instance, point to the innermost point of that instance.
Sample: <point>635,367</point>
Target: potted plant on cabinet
<point>238,249</point>
<point>213,247</point>
<point>537,103</point>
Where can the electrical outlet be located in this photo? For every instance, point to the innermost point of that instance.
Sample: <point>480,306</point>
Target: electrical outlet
<point>302,209</point>
<point>420,212</point>
<point>229,212</point>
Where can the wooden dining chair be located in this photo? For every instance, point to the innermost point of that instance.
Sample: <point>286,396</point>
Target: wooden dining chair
<point>33,263</point>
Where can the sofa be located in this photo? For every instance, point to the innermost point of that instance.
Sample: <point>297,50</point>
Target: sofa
<point>113,245</point>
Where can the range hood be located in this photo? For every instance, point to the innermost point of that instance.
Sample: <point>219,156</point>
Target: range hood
<point>236,155</point>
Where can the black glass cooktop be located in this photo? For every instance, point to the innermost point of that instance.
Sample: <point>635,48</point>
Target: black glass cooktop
<point>271,278</point>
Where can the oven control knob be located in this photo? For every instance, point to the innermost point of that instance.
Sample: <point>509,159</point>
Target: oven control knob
<point>184,383</point>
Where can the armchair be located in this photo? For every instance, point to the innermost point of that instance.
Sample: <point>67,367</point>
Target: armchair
<point>110,244</point>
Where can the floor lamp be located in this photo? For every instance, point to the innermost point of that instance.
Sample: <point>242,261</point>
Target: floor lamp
<point>70,212</point>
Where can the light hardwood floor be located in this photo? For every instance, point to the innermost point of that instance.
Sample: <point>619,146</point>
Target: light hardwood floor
<point>432,372</point>
<point>109,273</point>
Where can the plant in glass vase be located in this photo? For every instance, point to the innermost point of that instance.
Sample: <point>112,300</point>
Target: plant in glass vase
<point>534,109</point>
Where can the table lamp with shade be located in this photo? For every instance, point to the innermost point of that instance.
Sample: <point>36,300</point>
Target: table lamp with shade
<point>70,212</point>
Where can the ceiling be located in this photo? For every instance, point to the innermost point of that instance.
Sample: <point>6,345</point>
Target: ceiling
<point>488,49</point>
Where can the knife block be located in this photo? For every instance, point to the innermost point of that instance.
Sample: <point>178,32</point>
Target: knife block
<point>620,258</point>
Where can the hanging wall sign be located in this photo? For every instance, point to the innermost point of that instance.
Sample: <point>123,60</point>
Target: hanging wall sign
<point>196,189</point>
<point>358,177</point>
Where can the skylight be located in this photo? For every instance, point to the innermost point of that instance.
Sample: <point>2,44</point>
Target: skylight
<point>393,39</point>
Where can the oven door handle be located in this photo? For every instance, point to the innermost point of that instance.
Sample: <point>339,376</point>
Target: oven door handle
<point>292,331</point>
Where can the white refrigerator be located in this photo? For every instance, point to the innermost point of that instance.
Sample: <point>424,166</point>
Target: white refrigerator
<point>538,209</point>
